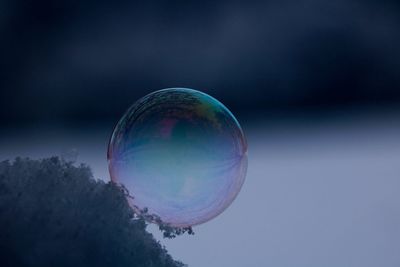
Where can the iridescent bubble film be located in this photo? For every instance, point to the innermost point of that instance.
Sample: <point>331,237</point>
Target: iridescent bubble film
<point>180,154</point>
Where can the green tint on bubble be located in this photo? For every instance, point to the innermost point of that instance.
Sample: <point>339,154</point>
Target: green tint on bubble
<point>180,154</point>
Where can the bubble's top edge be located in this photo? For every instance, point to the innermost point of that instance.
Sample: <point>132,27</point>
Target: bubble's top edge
<point>187,90</point>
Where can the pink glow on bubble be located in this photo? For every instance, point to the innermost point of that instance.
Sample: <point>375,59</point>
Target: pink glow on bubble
<point>167,125</point>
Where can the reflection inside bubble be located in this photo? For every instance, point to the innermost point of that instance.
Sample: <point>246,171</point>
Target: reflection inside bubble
<point>180,154</point>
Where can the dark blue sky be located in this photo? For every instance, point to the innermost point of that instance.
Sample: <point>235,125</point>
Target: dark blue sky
<point>81,61</point>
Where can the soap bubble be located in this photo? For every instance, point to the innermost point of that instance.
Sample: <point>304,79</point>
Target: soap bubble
<point>180,154</point>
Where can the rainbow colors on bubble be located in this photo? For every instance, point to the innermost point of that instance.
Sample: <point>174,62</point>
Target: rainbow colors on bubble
<point>181,155</point>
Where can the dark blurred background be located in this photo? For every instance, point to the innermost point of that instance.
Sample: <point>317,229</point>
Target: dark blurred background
<point>315,85</point>
<point>86,61</point>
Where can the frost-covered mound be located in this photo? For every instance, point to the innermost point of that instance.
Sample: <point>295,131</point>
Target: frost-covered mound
<point>54,214</point>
